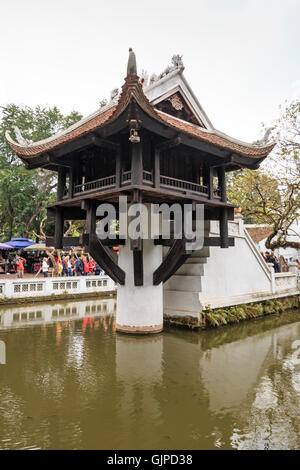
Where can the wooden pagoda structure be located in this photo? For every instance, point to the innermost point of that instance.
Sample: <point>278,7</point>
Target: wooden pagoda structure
<point>153,143</point>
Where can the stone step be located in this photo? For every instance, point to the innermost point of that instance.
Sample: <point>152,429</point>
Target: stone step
<point>192,269</point>
<point>204,252</point>
<point>196,260</point>
<point>184,283</point>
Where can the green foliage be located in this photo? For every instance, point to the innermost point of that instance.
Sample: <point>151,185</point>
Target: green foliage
<point>272,194</point>
<point>229,315</point>
<point>24,194</point>
<point>256,193</point>
<point>213,318</point>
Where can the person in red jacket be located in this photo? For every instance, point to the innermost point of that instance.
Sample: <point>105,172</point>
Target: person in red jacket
<point>91,265</point>
<point>86,266</point>
<point>20,266</point>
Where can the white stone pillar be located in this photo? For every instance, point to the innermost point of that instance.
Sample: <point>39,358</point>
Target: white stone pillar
<point>272,271</point>
<point>293,267</point>
<point>140,308</point>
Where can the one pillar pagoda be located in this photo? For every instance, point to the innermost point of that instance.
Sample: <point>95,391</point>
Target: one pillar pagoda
<point>153,143</point>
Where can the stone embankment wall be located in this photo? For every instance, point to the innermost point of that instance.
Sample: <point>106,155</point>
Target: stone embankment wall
<point>212,318</point>
<point>38,288</point>
<point>215,278</point>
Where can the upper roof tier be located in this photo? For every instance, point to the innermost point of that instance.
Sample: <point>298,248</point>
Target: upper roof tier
<point>168,99</point>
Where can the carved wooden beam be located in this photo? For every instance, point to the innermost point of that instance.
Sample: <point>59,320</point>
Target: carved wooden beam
<point>228,160</point>
<point>104,143</point>
<point>105,259</point>
<point>214,213</point>
<point>77,144</point>
<point>168,144</point>
<point>217,241</point>
<point>70,213</point>
<point>96,249</point>
<point>67,241</point>
<point>175,258</point>
<point>208,241</point>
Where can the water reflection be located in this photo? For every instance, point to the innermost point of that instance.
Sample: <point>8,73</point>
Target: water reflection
<point>71,382</point>
<point>272,422</point>
<point>139,367</point>
<point>35,314</point>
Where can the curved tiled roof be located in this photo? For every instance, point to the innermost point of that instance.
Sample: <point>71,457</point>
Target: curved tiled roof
<point>132,91</point>
<point>217,138</point>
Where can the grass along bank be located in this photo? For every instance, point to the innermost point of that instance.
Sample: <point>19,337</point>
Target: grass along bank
<point>214,318</point>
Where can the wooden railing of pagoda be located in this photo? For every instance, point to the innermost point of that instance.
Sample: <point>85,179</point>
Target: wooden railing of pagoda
<point>102,183</point>
<point>165,182</point>
<point>126,177</point>
<point>148,177</point>
<point>182,185</point>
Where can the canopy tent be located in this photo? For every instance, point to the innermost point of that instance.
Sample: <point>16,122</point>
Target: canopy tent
<point>4,246</point>
<point>18,243</point>
<point>36,247</point>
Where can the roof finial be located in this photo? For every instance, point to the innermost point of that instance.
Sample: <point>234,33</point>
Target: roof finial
<point>131,67</point>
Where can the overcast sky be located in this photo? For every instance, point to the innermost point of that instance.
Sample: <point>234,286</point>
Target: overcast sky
<point>241,57</point>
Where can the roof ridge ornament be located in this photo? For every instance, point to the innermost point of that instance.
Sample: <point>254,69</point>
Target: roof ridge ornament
<point>131,66</point>
<point>20,139</point>
<point>177,64</point>
<point>265,139</point>
<point>114,94</point>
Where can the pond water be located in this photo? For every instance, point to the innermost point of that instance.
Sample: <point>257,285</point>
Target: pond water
<point>71,382</point>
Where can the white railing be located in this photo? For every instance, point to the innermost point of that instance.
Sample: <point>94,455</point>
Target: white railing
<point>285,282</point>
<point>41,287</point>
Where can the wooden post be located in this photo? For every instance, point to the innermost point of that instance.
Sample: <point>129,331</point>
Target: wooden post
<point>156,168</point>
<point>59,228</point>
<point>224,228</point>
<point>71,182</point>
<point>118,167</point>
<point>136,164</point>
<point>90,224</point>
<point>61,183</point>
<point>211,183</point>
<point>222,183</point>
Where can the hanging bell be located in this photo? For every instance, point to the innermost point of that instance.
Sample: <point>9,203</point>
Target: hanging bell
<point>134,136</point>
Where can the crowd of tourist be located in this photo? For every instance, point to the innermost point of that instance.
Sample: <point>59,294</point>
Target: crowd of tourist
<point>69,265</point>
<point>72,266</point>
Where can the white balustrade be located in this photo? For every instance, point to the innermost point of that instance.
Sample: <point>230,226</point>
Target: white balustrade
<point>42,287</point>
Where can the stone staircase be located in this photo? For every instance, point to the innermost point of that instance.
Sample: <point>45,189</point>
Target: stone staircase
<point>181,291</point>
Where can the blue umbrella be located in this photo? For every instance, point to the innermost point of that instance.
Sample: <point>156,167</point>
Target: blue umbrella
<point>4,246</point>
<point>18,243</point>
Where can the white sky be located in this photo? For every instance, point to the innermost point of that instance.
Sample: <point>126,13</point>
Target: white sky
<point>241,56</point>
